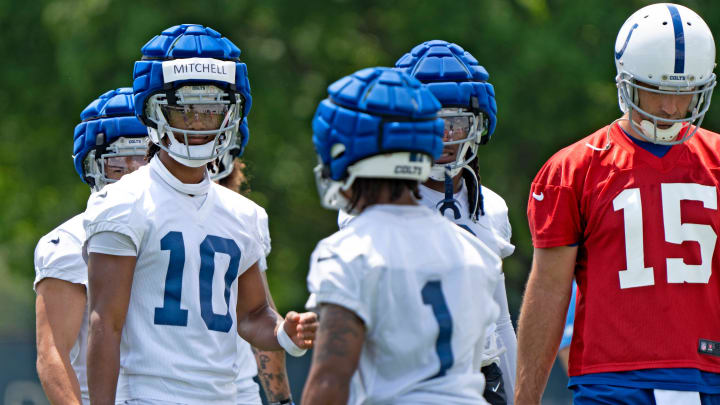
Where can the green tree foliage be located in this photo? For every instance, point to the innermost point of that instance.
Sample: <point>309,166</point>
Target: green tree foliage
<point>550,61</point>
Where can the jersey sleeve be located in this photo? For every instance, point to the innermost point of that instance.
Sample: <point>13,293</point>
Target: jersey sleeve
<point>333,280</point>
<point>504,233</point>
<point>111,243</point>
<point>497,209</point>
<point>554,205</point>
<point>114,209</point>
<point>507,248</point>
<point>59,255</point>
<point>263,230</point>
<point>506,336</point>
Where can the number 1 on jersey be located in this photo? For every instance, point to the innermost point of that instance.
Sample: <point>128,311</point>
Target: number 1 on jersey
<point>636,274</point>
<point>171,313</point>
<point>432,295</point>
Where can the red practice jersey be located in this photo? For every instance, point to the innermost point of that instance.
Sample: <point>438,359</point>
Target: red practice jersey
<point>648,265</point>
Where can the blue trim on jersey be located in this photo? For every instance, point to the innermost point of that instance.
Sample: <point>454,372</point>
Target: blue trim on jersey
<point>570,319</point>
<point>679,39</point>
<point>680,379</point>
<point>654,148</point>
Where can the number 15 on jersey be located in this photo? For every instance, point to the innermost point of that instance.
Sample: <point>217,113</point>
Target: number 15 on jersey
<point>629,201</point>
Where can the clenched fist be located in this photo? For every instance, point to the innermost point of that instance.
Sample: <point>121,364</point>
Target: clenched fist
<point>301,328</point>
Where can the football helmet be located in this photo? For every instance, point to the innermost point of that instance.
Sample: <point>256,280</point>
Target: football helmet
<point>223,165</point>
<point>665,49</point>
<point>458,81</point>
<point>109,138</point>
<point>190,87</point>
<point>378,123</point>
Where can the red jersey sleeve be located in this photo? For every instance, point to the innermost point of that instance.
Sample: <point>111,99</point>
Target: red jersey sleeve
<point>554,203</point>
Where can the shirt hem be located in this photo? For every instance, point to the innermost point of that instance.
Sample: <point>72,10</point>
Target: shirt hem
<point>620,367</point>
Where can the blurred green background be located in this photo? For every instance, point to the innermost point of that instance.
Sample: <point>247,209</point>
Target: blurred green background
<point>550,61</point>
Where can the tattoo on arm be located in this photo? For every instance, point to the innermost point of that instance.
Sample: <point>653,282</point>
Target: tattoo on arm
<point>338,345</point>
<point>341,334</point>
<point>272,374</point>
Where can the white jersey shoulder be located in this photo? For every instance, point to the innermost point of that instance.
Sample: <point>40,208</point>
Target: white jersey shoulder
<point>411,276</point>
<point>497,211</point>
<point>179,340</point>
<point>59,255</point>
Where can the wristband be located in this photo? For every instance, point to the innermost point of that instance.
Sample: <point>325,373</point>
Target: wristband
<point>287,343</point>
<point>288,401</point>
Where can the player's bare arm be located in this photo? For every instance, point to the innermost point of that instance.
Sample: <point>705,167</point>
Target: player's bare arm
<point>110,279</point>
<point>258,322</point>
<point>59,311</point>
<point>340,339</point>
<point>542,317</point>
<point>271,364</point>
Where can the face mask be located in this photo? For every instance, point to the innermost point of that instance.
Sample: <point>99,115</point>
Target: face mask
<point>664,135</point>
<point>178,150</point>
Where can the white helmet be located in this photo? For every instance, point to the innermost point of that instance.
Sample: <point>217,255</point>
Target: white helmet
<point>670,48</point>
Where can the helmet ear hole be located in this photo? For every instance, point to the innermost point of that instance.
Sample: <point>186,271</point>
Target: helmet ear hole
<point>696,100</point>
<point>337,150</point>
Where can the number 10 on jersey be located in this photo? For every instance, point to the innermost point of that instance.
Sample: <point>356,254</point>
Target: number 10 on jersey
<point>676,232</point>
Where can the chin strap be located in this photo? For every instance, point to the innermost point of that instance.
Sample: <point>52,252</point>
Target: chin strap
<point>449,202</point>
<point>475,196</point>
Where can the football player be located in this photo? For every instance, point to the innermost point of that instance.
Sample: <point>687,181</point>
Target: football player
<point>631,211</point>
<point>189,250</point>
<point>109,143</point>
<point>469,110</point>
<point>395,284</point>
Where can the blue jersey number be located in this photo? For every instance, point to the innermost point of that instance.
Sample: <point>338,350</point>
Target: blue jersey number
<point>432,295</point>
<point>171,313</point>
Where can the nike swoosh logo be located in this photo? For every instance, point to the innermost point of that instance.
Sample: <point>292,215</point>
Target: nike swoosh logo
<point>55,241</point>
<point>320,259</point>
<point>538,197</point>
<point>496,388</point>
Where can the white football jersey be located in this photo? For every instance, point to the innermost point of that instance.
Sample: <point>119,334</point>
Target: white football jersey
<point>495,231</point>
<point>423,287</point>
<point>179,342</point>
<point>59,255</point>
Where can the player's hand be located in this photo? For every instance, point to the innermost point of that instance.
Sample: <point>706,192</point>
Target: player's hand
<point>301,328</point>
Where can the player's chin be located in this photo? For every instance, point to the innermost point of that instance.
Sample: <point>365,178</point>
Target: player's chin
<point>445,159</point>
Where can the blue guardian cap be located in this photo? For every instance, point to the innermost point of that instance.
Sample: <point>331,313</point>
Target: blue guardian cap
<point>190,83</point>
<point>377,123</point>
<point>109,133</point>
<point>458,81</point>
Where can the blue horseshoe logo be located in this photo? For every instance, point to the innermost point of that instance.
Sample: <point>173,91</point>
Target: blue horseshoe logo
<point>619,55</point>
